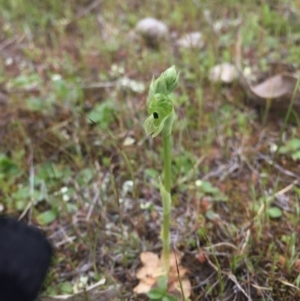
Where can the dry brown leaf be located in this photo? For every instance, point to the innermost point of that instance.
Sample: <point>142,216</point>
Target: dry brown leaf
<point>146,274</point>
<point>182,271</point>
<point>143,288</point>
<point>149,259</point>
<point>186,287</point>
<point>278,89</point>
<point>152,269</point>
<point>175,258</point>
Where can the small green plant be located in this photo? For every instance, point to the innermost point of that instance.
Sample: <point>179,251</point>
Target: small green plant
<point>162,116</point>
<point>292,148</point>
<point>161,119</point>
<point>103,114</point>
<point>161,293</point>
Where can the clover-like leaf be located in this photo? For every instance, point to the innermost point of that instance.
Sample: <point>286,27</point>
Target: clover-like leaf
<point>160,108</point>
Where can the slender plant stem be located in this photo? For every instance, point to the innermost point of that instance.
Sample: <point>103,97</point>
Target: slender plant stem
<point>167,141</point>
<point>166,198</point>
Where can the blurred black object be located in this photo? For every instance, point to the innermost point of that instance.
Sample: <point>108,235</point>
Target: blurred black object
<point>25,256</point>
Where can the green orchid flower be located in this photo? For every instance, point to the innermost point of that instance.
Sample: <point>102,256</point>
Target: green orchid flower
<point>161,109</point>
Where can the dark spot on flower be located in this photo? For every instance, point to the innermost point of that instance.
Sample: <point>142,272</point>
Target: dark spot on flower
<point>155,115</point>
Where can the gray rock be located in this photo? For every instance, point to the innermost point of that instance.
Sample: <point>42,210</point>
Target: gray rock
<point>152,30</point>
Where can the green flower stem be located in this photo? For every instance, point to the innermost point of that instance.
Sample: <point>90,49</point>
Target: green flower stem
<point>166,194</point>
<point>167,144</point>
<point>162,116</point>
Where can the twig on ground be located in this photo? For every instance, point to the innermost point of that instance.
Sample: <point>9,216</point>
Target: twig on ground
<point>278,167</point>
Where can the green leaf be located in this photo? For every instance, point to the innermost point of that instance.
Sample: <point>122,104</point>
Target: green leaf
<point>206,187</point>
<point>27,81</point>
<point>283,149</point>
<point>211,215</point>
<point>85,176</point>
<point>296,156</point>
<point>35,104</point>
<point>290,146</point>
<point>50,171</point>
<point>156,293</point>
<point>162,283</point>
<point>23,195</point>
<point>7,166</point>
<point>66,288</point>
<point>274,212</point>
<point>202,232</point>
<point>169,297</point>
<point>151,173</point>
<point>103,114</point>
<point>46,217</point>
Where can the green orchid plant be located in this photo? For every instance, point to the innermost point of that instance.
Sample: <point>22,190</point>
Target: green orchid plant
<point>161,119</point>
